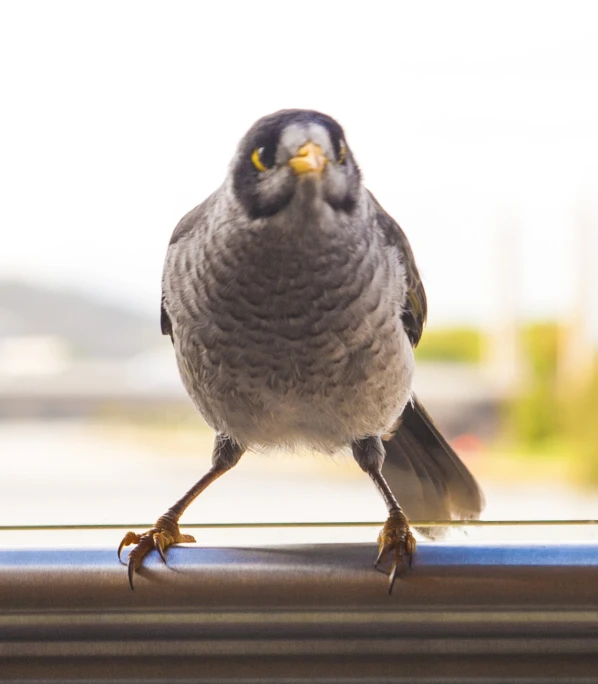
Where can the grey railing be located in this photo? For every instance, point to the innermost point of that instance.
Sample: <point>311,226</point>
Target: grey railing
<point>475,613</point>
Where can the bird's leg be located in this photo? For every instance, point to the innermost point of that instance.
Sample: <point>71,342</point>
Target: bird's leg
<point>165,531</point>
<point>395,537</point>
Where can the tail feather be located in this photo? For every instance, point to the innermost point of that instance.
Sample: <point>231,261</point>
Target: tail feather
<point>426,475</point>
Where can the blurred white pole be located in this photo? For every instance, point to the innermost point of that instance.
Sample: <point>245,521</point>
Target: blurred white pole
<point>577,353</point>
<point>503,355</point>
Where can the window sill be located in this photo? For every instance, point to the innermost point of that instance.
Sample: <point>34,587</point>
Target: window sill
<point>308,613</point>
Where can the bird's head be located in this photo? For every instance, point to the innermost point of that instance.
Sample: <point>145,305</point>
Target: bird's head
<point>293,152</point>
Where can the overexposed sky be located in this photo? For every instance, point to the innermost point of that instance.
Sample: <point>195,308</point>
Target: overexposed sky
<point>471,121</point>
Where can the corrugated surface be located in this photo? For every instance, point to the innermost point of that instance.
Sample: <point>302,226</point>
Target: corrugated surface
<point>301,613</point>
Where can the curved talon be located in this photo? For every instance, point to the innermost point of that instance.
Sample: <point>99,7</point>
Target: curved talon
<point>129,538</point>
<point>392,577</point>
<point>144,546</point>
<point>379,557</point>
<point>159,545</point>
<point>131,571</point>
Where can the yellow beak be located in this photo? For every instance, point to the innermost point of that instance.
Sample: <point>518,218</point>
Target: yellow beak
<point>309,159</point>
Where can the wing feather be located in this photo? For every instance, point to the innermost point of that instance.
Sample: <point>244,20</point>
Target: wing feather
<point>415,308</point>
<point>189,223</point>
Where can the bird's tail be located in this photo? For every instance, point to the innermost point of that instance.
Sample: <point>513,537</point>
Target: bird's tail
<point>428,478</point>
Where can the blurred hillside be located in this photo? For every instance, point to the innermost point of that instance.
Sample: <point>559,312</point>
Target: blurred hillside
<point>87,325</point>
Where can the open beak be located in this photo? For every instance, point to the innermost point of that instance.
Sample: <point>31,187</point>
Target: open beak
<point>309,159</point>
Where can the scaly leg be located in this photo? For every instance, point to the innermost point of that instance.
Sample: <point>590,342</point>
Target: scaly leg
<point>395,537</point>
<point>165,531</point>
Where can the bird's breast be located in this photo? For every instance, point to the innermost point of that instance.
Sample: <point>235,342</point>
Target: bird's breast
<point>297,334</point>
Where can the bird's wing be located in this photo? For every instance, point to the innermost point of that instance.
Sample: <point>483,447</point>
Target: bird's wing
<point>189,222</point>
<point>415,308</point>
<point>165,322</point>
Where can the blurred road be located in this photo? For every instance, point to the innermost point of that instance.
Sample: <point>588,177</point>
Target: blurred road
<point>84,473</point>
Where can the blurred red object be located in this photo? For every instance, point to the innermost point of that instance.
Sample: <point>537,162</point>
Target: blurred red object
<point>468,443</point>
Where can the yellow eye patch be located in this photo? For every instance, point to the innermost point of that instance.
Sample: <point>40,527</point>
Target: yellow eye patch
<point>256,158</point>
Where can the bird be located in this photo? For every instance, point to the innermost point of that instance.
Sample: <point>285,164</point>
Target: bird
<point>294,305</point>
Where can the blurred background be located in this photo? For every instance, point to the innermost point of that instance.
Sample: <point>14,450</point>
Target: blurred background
<point>476,126</point>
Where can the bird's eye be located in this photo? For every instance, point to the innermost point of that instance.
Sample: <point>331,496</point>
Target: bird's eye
<point>259,159</point>
<point>342,152</point>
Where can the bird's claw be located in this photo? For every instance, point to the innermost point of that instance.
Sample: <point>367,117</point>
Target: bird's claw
<point>162,535</point>
<point>396,538</point>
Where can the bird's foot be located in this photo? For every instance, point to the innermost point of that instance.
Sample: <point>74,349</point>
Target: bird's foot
<point>162,535</point>
<point>396,539</point>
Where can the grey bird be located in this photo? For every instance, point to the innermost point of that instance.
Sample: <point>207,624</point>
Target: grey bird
<point>294,304</point>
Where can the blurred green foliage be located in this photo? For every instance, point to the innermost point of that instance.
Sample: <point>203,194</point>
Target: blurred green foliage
<point>553,408</point>
<point>456,345</point>
<point>579,425</point>
<point>553,417</point>
<point>534,416</point>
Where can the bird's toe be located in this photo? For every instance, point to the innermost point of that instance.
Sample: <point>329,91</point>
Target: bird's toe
<point>395,541</point>
<point>163,534</point>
